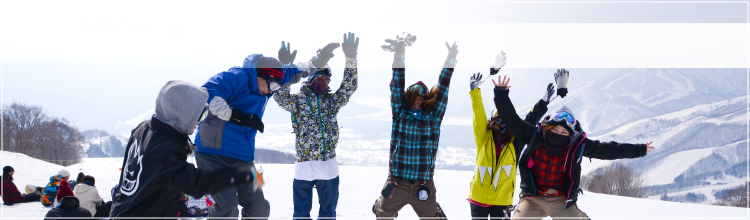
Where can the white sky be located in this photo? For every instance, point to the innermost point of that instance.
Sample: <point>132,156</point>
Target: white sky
<point>194,40</point>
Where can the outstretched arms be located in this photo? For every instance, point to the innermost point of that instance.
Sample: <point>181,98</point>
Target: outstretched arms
<point>507,112</point>
<point>398,46</point>
<point>441,98</point>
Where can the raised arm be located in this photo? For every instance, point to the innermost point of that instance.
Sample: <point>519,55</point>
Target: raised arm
<point>350,82</point>
<point>398,46</point>
<point>505,110</point>
<point>540,108</point>
<point>444,82</point>
<point>480,119</point>
<point>285,99</point>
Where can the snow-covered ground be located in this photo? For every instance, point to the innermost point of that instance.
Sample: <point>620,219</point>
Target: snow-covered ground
<point>359,188</point>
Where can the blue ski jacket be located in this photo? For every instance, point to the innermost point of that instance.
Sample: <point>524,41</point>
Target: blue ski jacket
<point>239,87</point>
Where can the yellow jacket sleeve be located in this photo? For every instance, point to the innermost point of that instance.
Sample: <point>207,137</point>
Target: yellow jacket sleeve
<point>480,119</point>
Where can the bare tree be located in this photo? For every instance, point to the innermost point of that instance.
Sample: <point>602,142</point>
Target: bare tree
<point>616,179</point>
<point>736,197</point>
<point>27,130</point>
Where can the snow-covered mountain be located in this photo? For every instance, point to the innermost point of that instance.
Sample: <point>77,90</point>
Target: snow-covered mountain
<point>102,144</point>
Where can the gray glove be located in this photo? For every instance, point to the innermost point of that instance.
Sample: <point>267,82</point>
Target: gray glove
<point>285,55</point>
<point>324,55</point>
<point>400,43</point>
<point>561,78</point>
<point>549,93</point>
<point>350,45</point>
<point>475,81</point>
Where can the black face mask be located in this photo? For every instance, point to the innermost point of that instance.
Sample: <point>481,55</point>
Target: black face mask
<point>556,143</point>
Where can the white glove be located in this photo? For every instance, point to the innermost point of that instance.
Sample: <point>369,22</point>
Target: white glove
<point>499,63</point>
<point>561,78</point>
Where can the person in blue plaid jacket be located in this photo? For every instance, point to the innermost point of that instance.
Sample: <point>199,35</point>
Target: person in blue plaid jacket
<point>417,115</point>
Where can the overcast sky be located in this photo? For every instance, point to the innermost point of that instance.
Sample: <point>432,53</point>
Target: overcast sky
<point>101,64</point>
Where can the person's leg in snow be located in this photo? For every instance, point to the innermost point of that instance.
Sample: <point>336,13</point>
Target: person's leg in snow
<point>226,201</point>
<point>302,194</point>
<point>328,195</point>
<point>254,203</point>
<point>541,206</point>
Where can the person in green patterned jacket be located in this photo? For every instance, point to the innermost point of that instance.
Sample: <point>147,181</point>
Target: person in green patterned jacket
<point>314,109</point>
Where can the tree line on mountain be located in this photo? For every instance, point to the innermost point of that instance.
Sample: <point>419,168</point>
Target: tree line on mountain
<point>27,130</point>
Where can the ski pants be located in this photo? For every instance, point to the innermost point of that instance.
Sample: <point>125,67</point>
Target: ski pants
<point>103,210</point>
<point>407,193</point>
<point>494,212</point>
<point>254,204</point>
<point>328,197</point>
<point>539,207</point>
<point>33,197</point>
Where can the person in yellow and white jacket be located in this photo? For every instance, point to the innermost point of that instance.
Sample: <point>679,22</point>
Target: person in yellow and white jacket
<point>498,150</point>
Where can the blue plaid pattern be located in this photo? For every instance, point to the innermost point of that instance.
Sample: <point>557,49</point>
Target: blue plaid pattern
<point>414,138</point>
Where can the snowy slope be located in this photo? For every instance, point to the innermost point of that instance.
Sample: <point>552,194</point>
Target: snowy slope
<point>360,186</point>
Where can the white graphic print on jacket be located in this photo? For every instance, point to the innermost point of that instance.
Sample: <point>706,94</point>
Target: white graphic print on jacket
<point>314,116</point>
<point>132,172</point>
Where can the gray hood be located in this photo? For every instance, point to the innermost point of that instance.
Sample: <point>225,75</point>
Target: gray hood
<point>180,104</point>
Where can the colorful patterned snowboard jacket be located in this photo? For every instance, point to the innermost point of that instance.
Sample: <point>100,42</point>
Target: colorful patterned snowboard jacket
<point>314,116</point>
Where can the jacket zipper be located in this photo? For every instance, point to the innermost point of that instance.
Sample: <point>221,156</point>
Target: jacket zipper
<point>320,121</point>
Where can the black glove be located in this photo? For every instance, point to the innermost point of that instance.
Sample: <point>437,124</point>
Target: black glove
<point>350,45</point>
<point>246,120</point>
<point>324,55</point>
<point>561,78</point>
<point>452,50</point>
<point>475,81</point>
<point>285,56</point>
<point>549,93</point>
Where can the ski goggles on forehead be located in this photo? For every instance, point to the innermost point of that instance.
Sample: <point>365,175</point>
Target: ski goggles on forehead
<point>416,88</point>
<point>204,114</point>
<point>564,115</point>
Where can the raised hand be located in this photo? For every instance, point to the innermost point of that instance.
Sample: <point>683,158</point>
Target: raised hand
<point>452,50</point>
<point>350,45</point>
<point>549,93</point>
<point>324,55</point>
<point>475,81</point>
<point>649,148</point>
<point>399,44</point>
<point>561,78</point>
<point>499,63</point>
<point>285,56</point>
<point>503,83</point>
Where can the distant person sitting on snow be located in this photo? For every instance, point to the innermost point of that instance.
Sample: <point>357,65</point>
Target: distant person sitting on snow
<point>11,194</point>
<point>75,182</point>
<point>155,170</point>
<point>492,188</point>
<point>237,100</point>
<point>314,118</point>
<point>50,191</point>
<point>89,198</point>
<point>550,167</point>
<point>69,207</point>
<point>417,113</point>
<point>63,191</point>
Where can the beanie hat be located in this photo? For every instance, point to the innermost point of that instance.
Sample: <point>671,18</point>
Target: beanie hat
<point>493,114</point>
<point>7,169</point>
<point>325,71</point>
<point>270,68</point>
<point>64,173</point>
<point>568,125</point>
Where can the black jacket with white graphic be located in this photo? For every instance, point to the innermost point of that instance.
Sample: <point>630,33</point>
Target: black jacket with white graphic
<point>155,170</point>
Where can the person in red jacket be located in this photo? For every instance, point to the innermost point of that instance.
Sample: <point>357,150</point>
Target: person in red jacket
<point>10,192</point>
<point>63,191</point>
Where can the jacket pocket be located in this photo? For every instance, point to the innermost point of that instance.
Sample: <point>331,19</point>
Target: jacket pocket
<point>212,130</point>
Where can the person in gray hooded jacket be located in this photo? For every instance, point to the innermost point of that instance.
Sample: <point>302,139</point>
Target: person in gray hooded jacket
<point>155,170</point>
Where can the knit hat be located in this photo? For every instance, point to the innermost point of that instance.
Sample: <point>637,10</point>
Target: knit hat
<point>270,68</point>
<point>64,173</point>
<point>7,169</point>
<point>560,118</point>
<point>493,114</point>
